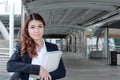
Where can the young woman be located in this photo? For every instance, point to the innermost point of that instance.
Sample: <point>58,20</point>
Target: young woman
<point>31,51</point>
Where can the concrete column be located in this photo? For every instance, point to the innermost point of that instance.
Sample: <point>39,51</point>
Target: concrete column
<point>22,20</point>
<point>64,43</point>
<point>66,46</point>
<point>11,28</point>
<point>68,43</point>
<point>83,43</point>
<point>61,44</point>
<point>106,46</point>
<point>22,15</point>
<point>73,43</point>
<point>78,42</point>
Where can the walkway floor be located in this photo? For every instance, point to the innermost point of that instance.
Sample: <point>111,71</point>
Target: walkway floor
<point>79,68</point>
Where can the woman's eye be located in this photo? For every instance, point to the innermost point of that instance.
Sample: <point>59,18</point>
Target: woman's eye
<point>32,27</point>
<point>40,26</point>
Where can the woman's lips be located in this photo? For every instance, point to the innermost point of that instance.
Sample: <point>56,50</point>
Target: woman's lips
<point>37,34</point>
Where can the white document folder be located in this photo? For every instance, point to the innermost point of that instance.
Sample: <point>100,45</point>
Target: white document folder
<point>52,60</point>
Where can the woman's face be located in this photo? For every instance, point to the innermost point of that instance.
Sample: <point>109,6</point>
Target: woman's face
<point>36,29</point>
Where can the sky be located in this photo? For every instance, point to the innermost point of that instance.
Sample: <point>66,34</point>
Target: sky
<point>5,6</point>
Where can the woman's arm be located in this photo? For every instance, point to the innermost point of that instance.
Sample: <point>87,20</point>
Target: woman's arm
<point>60,72</point>
<point>14,64</point>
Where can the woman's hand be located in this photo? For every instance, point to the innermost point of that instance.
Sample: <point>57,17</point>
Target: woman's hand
<point>44,75</point>
<point>35,76</point>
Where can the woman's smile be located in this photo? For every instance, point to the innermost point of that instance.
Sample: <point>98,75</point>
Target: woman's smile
<point>37,35</point>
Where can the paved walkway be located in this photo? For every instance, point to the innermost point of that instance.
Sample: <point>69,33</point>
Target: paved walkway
<point>79,68</point>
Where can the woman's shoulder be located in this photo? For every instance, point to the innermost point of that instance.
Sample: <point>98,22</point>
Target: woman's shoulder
<point>18,45</point>
<point>51,46</point>
<point>49,43</point>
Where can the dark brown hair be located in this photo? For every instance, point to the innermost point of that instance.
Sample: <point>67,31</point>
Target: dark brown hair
<point>27,43</point>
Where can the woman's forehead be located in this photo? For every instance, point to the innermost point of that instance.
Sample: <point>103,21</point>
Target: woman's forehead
<point>35,22</point>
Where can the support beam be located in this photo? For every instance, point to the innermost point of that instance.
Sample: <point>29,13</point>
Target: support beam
<point>82,14</point>
<point>4,31</point>
<point>65,15</point>
<point>51,16</point>
<point>96,26</point>
<point>54,36</point>
<point>68,43</point>
<point>106,45</point>
<point>11,31</point>
<point>101,18</point>
<point>22,14</point>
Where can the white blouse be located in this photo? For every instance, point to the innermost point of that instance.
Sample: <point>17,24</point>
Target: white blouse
<point>39,60</point>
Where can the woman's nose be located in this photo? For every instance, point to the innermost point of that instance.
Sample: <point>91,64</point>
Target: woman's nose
<point>36,29</point>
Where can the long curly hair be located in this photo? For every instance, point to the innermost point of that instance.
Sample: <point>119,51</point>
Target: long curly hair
<point>27,43</point>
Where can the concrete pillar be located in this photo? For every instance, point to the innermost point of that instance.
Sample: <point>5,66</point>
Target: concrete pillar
<point>4,31</point>
<point>78,41</point>
<point>64,43</point>
<point>66,46</point>
<point>83,43</point>
<point>61,45</point>
<point>68,43</point>
<point>11,28</point>
<point>73,43</point>
<point>22,15</point>
<point>22,20</point>
<point>106,46</point>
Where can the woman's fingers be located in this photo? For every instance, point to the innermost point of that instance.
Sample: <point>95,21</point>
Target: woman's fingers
<point>46,77</point>
<point>35,76</point>
<point>44,74</point>
<point>41,78</point>
<point>50,78</point>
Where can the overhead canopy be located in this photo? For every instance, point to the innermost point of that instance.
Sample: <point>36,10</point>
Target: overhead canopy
<point>65,16</point>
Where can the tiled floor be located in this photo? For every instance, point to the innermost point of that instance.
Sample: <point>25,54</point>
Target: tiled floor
<point>79,68</point>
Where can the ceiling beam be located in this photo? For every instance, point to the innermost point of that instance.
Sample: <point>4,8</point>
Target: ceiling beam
<point>100,18</point>
<point>32,7</point>
<point>51,16</point>
<point>96,17</point>
<point>105,2</point>
<point>64,26</point>
<point>58,26</point>
<point>56,32</point>
<point>103,22</point>
<point>54,36</point>
<point>64,16</point>
<point>81,15</point>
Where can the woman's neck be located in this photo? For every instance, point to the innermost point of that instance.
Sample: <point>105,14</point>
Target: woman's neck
<point>39,43</point>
